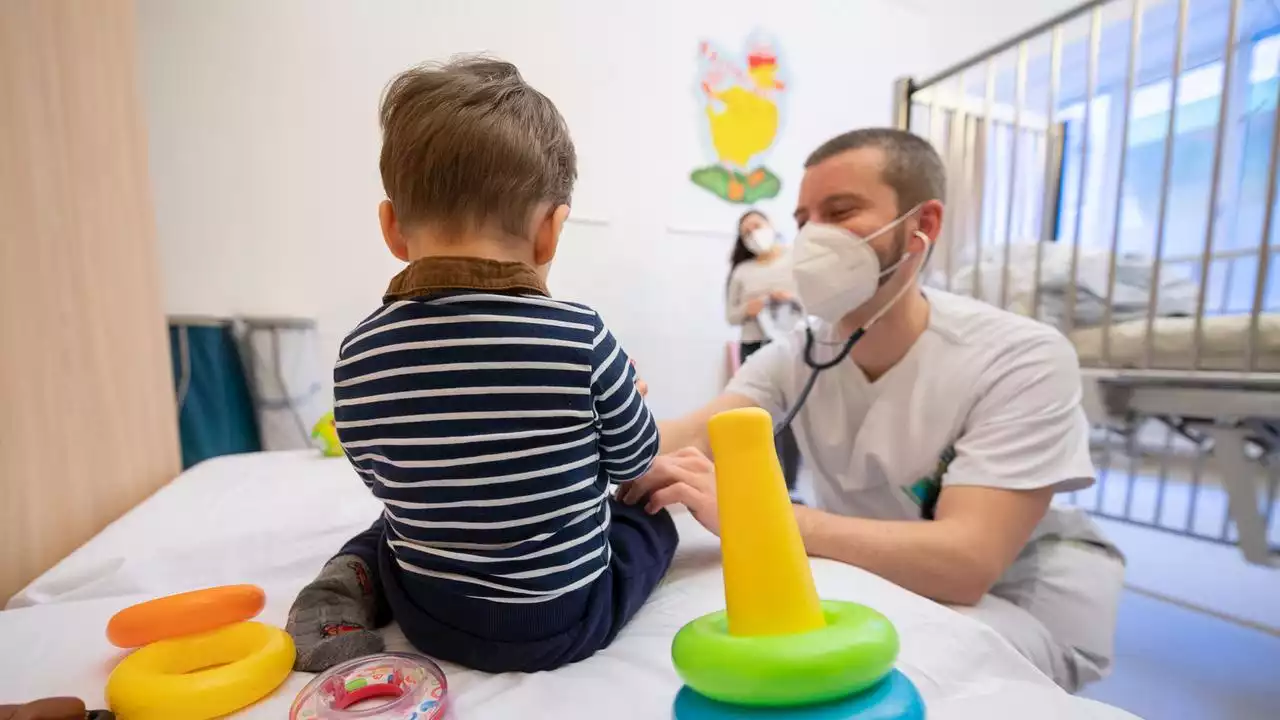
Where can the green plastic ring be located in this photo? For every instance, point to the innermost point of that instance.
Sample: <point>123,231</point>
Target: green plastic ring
<point>855,650</point>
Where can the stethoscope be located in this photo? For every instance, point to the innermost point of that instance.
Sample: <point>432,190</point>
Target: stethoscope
<point>816,367</point>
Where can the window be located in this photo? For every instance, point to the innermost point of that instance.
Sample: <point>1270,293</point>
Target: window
<point>1241,201</point>
<point>1094,212</point>
<point>1097,204</point>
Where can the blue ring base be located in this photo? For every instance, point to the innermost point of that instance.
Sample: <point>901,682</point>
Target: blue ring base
<point>894,698</point>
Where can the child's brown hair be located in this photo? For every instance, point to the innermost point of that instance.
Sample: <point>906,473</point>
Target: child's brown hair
<point>469,144</point>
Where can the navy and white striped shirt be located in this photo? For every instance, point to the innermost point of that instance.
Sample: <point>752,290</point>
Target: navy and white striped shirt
<point>490,425</point>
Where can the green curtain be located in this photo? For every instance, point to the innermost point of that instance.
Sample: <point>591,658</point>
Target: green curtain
<point>215,414</point>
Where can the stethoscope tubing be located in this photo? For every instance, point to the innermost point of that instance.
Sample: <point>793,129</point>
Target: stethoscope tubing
<point>816,368</point>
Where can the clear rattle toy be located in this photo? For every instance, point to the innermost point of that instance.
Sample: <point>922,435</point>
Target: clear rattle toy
<point>389,686</point>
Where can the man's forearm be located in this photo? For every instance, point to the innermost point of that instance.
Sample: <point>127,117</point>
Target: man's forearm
<point>681,433</point>
<point>691,430</point>
<point>928,558</point>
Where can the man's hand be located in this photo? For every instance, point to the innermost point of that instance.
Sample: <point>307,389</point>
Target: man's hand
<point>755,306</point>
<point>685,477</point>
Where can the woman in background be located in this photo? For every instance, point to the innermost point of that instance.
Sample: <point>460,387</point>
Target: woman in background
<point>760,274</point>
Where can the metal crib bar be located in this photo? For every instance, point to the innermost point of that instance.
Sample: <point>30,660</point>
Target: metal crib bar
<point>987,131</point>
<point>1148,340</point>
<point>1104,474</point>
<point>1270,506</point>
<point>973,182</point>
<point>958,150</point>
<point>1242,494</point>
<point>1019,97</point>
<point>1264,246</point>
<point>1053,155</point>
<point>1197,474</point>
<point>1091,72</point>
<point>934,136</point>
<point>1224,532</point>
<point>935,122</point>
<point>1162,481</point>
<point>1053,142</point>
<point>944,116</point>
<point>1128,488</point>
<point>1215,176</point>
<point>903,88</point>
<point>977,197</point>
<point>1135,46</point>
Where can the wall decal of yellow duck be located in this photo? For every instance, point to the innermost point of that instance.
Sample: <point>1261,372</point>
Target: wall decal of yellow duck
<point>742,102</point>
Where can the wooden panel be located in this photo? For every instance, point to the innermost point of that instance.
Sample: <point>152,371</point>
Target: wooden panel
<point>87,422</point>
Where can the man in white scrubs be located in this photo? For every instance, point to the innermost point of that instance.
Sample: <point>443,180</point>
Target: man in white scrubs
<point>936,446</point>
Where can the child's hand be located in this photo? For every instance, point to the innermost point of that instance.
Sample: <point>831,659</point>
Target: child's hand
<point>642,387</point>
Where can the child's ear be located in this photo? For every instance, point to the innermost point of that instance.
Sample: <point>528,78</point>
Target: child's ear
<point>547,236</point>
<point>391,234</point>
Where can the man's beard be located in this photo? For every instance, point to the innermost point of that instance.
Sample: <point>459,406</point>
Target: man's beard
<point>896,254</point>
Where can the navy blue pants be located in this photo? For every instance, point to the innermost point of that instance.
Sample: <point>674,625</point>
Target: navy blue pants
<point>508,637</point>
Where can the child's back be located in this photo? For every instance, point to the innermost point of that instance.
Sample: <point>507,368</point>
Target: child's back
<point>489,418</point>
<point>490,425</point>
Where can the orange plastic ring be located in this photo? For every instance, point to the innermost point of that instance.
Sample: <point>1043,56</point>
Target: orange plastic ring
<point>184,614</point>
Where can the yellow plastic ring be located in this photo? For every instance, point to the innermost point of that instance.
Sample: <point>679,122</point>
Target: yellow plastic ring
<point>201,676</point>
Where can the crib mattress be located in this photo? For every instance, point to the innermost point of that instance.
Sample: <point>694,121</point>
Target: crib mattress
<point>1223,349</point>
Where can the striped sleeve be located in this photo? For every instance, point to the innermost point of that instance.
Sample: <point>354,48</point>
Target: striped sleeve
<point>628,433</point>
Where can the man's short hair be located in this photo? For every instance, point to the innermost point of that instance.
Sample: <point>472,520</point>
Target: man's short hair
<point>911,165</point>
<point>469,144</point>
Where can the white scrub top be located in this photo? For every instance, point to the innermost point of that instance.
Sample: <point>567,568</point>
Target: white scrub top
<point>984,398</point>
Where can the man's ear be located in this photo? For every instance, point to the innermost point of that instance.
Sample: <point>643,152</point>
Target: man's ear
<point>930,220</point>
<point>391,233</point>
<point>546,236</point>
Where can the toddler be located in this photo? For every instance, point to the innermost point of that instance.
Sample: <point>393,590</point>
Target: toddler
<point>489,418</point>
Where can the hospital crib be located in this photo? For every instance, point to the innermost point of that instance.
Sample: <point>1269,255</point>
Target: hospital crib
<point>1113,172</point>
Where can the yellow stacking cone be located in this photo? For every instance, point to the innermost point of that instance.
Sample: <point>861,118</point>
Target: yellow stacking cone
<point>768,586</point>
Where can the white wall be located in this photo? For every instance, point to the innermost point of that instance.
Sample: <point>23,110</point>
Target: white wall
<point>264,147</point>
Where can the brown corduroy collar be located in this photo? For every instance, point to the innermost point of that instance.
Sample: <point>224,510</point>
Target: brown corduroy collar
<point>435,274</point>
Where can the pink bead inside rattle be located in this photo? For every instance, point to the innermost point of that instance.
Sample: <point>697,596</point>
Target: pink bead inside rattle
<point>346,693</point>
<point>391,686</point>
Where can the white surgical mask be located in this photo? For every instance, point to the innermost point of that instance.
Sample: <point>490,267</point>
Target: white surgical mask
<point>761,240</point>
<point>836,271</point>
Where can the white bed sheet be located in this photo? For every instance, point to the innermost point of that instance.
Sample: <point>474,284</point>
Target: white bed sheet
<point>273,519</point>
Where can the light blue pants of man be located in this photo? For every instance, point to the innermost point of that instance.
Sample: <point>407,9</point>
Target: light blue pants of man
<point>1057,606</point>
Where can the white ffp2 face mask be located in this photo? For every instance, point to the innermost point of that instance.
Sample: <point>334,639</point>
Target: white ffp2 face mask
<point>761,240</point>
<point>836,271</point>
